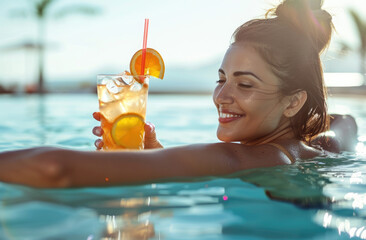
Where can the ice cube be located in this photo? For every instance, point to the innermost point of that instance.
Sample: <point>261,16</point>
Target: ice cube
<point>103,94</point>
<point>135,87</point>
<point>127,79</point>
<point>105,80</point>
<point>112,86</point>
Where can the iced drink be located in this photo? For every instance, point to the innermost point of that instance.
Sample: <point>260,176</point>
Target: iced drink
<point>122,104</point>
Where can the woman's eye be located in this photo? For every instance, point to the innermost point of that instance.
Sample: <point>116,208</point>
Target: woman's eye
<point>220,81</point>
<point>244,85</point>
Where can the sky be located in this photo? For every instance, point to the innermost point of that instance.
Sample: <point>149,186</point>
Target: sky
<point>187,33</point>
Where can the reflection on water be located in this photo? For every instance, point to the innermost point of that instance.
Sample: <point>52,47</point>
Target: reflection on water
<point>128,226</point>
<point>322,198</point>
<point>361,146</point>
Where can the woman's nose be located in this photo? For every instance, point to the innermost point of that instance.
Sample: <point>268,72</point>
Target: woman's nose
<point>223,94</point>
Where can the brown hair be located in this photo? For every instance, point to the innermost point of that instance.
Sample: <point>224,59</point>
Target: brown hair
<point>290,39</point>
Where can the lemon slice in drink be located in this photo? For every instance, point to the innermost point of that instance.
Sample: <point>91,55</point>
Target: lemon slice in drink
<point>154,64</point>
<point>128,130</point>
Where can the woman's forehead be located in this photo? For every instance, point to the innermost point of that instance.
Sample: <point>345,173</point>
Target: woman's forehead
<point>244,57</point>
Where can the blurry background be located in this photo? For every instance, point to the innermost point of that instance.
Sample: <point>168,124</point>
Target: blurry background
<point>80,38</point>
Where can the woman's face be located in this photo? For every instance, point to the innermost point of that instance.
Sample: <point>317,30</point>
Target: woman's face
<point>247,96</point>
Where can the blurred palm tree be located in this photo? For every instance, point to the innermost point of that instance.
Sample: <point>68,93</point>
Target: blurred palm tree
<point>361,29</point>
<point>41,11</point>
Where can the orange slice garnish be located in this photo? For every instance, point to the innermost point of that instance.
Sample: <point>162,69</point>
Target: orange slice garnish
<point>128,131</point>
<point>154,64</point>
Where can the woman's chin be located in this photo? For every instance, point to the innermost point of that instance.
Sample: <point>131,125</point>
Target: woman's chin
<point>225,138</point>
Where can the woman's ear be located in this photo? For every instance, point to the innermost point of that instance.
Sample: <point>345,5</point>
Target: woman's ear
<point>296,101</point>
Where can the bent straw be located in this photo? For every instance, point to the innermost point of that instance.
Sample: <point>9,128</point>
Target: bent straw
<point>144,47</point>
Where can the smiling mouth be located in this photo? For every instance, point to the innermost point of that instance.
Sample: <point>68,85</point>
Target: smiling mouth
<point>228,117</point>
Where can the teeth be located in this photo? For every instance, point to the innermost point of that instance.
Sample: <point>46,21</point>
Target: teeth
<point>227,115</point>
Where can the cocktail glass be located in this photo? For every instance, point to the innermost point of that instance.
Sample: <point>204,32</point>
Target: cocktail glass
<point>122,104</point>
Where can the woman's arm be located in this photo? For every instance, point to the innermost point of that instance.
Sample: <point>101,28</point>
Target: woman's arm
<point>53,167</point>
<point>342,135</point>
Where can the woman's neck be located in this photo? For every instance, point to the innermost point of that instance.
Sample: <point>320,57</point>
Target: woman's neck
<point>284,131</point>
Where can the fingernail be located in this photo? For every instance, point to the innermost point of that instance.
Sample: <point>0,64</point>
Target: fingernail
<point>95,131</point>
<point>96,116</point>
<point>98,143</point>
<point>152,126</point>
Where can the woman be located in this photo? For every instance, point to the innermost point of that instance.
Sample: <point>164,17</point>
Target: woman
<point>270,98</point>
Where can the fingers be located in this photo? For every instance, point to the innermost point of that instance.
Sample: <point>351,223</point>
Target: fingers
<point>150,128</point>
<point>96,116</point>
<point>98,131</point>
<point>150,137</point>
<point>99,144</point>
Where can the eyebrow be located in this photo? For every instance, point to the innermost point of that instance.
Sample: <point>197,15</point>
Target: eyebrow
<point>241,73</point>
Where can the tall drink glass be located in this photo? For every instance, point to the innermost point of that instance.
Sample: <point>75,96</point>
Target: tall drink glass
<point>122,104</point>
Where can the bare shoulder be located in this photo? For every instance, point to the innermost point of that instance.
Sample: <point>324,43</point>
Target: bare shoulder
<point>268,155</point>
<point>342,135</point>
<point>252,156</point>
<point>301,150</point>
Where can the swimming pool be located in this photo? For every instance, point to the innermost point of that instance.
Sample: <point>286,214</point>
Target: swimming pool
<point>317,199</point>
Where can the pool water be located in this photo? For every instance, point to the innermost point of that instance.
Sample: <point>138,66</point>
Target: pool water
<point>322,198</point>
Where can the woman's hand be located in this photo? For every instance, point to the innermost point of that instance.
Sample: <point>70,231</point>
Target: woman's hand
<point>150,141</point>
<point>345,130</point>
<point>342,135</point>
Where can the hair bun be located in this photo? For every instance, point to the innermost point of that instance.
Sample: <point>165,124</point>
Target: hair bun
<point>307,17</point>
<point>322,15</point>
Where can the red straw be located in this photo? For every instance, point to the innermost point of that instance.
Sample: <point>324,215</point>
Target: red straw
<point>144,47</point>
